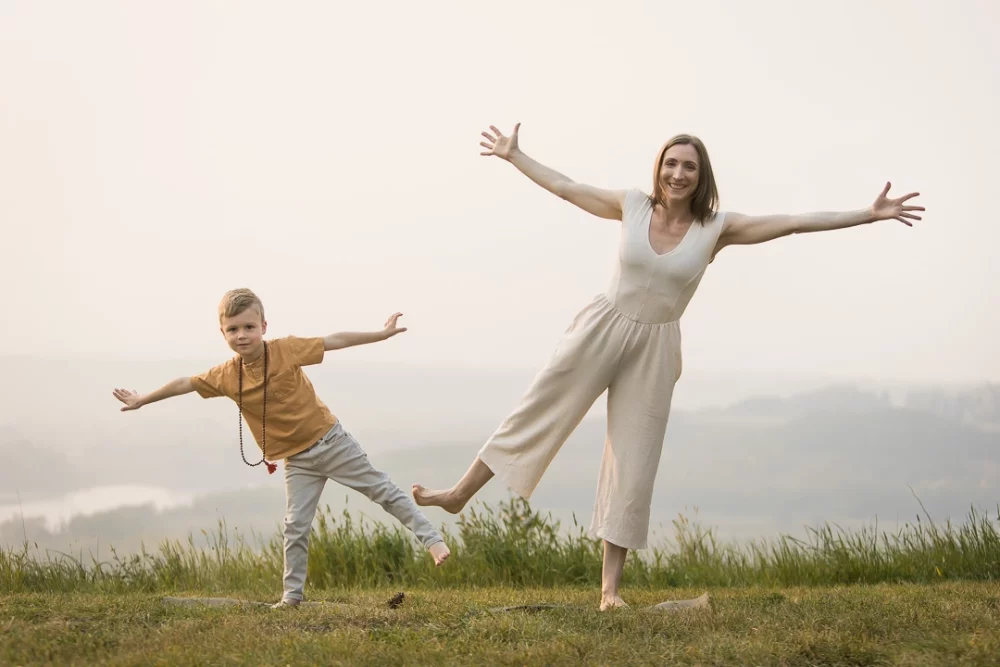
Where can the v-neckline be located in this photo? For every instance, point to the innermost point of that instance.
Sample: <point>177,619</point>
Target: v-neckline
<point>649,244</point>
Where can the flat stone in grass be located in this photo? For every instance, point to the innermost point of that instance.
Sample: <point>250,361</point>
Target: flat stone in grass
<point>230,602</point>
<point>393,603</point>
<point>700,602</point>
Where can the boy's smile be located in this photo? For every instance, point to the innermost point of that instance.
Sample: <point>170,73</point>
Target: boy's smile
<point>245,333</point>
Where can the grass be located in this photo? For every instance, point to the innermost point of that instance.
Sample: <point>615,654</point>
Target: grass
<point>514,545</point>
<point>888,624</point>
<point>925,594</point>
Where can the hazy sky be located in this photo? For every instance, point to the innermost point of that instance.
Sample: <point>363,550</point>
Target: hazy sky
<point>325,154</point>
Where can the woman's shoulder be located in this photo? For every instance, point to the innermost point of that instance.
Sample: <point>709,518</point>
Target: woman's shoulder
<point>636,202</point>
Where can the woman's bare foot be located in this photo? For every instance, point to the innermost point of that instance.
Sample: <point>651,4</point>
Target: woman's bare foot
<point>454,499</point>
<point>440,552</point>
<point>611,575</point>
<point>612,602</point>
<point>446,500</point>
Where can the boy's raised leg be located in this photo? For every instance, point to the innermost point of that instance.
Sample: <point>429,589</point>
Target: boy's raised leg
<point>345,462</point>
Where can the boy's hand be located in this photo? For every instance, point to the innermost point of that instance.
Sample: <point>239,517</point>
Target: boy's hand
<point>390,326</point>
<point>338,341</point>
<point>129,398</point>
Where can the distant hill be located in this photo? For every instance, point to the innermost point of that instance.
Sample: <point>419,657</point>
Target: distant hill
<point>976,405</point>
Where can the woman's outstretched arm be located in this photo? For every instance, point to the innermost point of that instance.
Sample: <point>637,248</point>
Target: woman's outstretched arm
<point>745,230</point>
<point>598,201</point>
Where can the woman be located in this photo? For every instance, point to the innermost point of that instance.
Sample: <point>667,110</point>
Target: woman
<point>627,340</point>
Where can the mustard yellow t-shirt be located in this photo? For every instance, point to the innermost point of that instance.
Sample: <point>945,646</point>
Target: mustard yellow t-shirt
<point>296,418</point>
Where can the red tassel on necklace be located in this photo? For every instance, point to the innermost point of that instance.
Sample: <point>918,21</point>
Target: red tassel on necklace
<point>271,467</point>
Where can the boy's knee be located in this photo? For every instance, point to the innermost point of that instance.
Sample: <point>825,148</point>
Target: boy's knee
<point>387,495</point>
<point>381,497</point>
<point>295,531</point>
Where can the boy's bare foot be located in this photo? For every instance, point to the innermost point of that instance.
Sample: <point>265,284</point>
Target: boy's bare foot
<point>285,604</point>
<point>446,500</point>
<point>440,552</point>
<point>612,602</point>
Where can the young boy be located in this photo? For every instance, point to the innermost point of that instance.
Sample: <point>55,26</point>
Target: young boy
<point>289,422</point>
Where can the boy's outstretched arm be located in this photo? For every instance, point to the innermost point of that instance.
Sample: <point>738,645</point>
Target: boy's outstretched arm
<point>344,339</point>
<point>133,401</point>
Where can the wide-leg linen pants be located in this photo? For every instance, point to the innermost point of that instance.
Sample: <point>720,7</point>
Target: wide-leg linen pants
<point>638,364</point>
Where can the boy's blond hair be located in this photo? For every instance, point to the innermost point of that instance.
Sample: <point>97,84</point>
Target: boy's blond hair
<point>235,301</point>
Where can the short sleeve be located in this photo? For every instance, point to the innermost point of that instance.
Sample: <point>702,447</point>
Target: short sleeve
<point>211,383</point>
<point>721,219</point>
<point>301,351</point>
<point>636,201</point>
<point>719,224</point>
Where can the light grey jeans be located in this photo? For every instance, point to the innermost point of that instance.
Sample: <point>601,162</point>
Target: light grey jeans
<point>337,456</point>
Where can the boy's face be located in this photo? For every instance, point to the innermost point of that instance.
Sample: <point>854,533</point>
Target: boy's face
<point>245,333</point>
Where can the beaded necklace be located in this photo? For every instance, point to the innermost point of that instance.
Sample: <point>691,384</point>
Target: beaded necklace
<point>271,467</point>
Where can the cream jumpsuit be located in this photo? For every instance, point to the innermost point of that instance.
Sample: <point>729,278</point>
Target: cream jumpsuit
<point>627,341</point>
